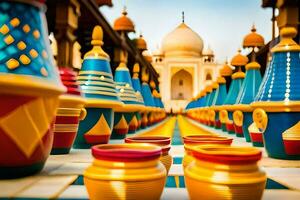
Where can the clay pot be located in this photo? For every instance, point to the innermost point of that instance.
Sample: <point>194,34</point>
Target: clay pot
<point>70,112</point>
<point>221,172</point>
<point>163,142</point>
<point>30,87</point>
<point>198,140</point>
<point>125,171</point>
<point>96,81</point>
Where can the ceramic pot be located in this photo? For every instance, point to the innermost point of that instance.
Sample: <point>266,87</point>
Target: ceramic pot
<point>221,172</point>
<point>69,113</point>
<point>198,140</point>
<point>96,81</point>
<point>125,171</point>
<point>129,97</point>
<point>133,123</point>
<point>163,142</point>
<point>238,123</point>
<point>277,107</point>
<point>256,135</point>
<point>30,87</point>
<point>273,134</point>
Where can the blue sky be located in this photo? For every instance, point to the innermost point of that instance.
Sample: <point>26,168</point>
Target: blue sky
<point>222,24</point>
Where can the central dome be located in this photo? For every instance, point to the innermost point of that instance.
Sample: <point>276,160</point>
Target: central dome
<point>182,42</point>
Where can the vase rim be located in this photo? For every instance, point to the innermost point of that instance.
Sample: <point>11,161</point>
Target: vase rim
<point>126,152</point>
<point>160,140</point>
<point>206,139</point>
<point>227,154</point>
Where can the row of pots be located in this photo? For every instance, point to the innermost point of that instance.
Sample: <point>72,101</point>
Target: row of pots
<point>36,100</point>
<point>265,111</point>
<point>215,171</point>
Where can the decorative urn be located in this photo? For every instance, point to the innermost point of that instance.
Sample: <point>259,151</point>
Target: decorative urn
<point>125,171</point>
<point>125,115</point>
<point>96,81</point>
<point>30,88</point>
<point>70,112</point>
<point>277,107</point>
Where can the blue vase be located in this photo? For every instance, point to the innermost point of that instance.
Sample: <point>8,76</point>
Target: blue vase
<point>97,84</point>
<point>277,107</point>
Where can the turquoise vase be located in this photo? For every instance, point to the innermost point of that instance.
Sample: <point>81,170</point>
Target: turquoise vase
<point>97,84</point>
<point>277,107</point>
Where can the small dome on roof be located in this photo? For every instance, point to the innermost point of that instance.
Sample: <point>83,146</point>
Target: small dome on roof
<point>124,23</point>
<point>226,70</point>
<point>141,43</point>
<point>208,52</point>
<point>239,59</point>
<point>253,39</point>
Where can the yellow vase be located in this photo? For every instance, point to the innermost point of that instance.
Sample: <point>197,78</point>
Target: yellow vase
<point>125,171</point>
<point>221,172</point>
<point>161,141</point>
<point>198,140</point>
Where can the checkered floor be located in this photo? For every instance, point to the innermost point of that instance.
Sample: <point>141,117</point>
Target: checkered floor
<point>62,175</point>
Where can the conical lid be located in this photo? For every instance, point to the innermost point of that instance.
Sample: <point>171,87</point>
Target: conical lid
<point>26,60</point>
<point>95,76</point>
<point>280,88</point>
<point>124,85</point>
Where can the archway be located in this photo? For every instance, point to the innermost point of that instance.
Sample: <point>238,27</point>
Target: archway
<point>182,85</point>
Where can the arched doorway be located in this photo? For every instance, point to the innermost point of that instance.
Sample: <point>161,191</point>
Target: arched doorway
<point>182,85</point>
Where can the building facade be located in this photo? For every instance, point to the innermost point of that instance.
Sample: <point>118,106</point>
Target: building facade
<point>184,67</point>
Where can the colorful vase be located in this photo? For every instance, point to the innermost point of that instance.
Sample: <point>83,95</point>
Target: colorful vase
<point>148,100</point>
<point>239,61</point>
<point>136,84</point>
<point>198,140</point>
<point>30,87</point>
<point>163,142</point>
<point>220,95</point>
<point>256,135</point>
<point>69,113</point>
<point>222,172</point>
<point>125,171</point>
<point>236,84</point>
<point>242,117</point>
<point>277,102</point>
<point>96,81</point>
<point>125,115</point>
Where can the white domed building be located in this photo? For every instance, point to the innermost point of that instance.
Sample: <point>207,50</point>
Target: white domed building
<point>184,67</point>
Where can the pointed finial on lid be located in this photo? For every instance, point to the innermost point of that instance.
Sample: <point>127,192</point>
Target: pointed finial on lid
<point>145,76</point>
<point>123,60</point>
<point>97,36</point>
<point>152,84</point>
<point>97,42</point>
<point>136,70</point>
<point>123,56</point>
<point>286,41</point>
<point>182,13</point>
